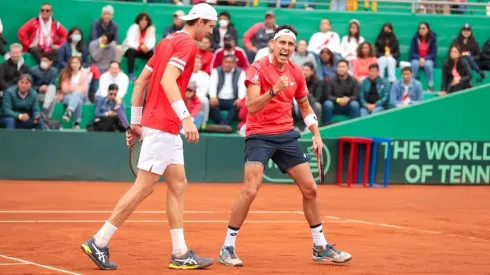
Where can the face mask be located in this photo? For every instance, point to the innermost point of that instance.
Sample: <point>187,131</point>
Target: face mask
<point>44,65</point>
<point>76,37</point>
<point>388,34</point>
<point>223,23</point>
<point>228,46</point>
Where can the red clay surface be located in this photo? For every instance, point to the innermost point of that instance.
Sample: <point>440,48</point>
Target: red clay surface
<point>398,230</point>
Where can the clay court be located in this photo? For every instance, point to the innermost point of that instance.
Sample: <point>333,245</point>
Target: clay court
<point>397,230</point>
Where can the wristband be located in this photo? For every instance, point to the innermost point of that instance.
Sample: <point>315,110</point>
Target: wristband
<point>20,117</point>
<point>180,109</point>
<point>136,114</point>
<point>310,120</point>
<point>271,93</point>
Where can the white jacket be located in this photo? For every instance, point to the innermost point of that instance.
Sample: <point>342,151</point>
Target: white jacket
<point>132,39</point>
<point>347,47</point>
<point>320,40</point>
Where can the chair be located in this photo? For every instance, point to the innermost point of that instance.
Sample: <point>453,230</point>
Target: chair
<point>355,143</point>
<point>372,176</point>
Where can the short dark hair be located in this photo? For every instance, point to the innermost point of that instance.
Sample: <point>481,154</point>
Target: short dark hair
<point>194,21</point>
<point>110,36</point>
<point>114,61</point>
<point>309,65</point>
<point>225,14</point>
<point>48,56</point>
<point>113,86</point>
<point>285,27</point>
<point>343,61</point>
<point>374,66</point>
<point>407,68</point>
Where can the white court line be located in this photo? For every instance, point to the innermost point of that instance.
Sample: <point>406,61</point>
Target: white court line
<point>140,212</point>
<point>157,221</point>
<point>39,265</point>
<point>8,264</point>
<point>406,228</point>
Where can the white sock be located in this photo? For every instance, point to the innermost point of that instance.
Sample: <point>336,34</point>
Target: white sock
<point>178,242</point>
<point>105,234</point>
<point>318,237</point>
<point>231,236</point>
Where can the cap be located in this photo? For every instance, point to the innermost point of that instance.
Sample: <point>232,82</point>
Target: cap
<point>228,36</point>
<point>27,77</point>
<point>355,21</point>
<point>270,13</point>
<point>202,10</point>
<point>192,86</point>
<point>179,13</point>
<point>467,26</point>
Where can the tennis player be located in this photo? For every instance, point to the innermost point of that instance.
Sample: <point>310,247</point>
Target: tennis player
<point>167,73</point>
<point>272,83</point>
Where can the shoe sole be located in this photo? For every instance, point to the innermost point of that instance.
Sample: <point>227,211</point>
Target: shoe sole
<point>188,267</point>
<point>331,260</point>
<point>227,264</point>
<point>93,259</point>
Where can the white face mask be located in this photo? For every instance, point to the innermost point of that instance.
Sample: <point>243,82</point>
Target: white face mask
<point>44,65</point>
<point>76,37</point>
<point>223,23</point>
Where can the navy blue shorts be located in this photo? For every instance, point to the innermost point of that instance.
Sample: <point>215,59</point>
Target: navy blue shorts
<point>284,149</point>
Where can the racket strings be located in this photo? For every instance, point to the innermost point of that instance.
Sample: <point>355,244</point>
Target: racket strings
<point>134,158</point>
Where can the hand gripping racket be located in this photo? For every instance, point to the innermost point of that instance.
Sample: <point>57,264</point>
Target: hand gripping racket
<point>134,151</point>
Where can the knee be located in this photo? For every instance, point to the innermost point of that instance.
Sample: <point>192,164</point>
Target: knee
<point>249,193</point>
<point>328,105</point>
<point>310,191</point>
<point>177,187</point>
<point>354,105</point>
<point>414,63</point>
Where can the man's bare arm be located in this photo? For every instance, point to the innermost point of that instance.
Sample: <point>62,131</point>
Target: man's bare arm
<point>255,101</point>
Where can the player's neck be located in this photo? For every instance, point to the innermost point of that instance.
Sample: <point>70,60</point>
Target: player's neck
<point>189,30</point>
<point>279,66</point>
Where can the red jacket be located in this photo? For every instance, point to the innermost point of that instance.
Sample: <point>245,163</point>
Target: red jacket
<point>242,112</point>
<point>28,32</point>
<point>193,105</point>
<point>206,57</point>
<point>241,58</point>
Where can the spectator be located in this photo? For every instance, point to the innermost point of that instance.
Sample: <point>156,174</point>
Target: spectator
<point>327,66</point>
<point>485,56</point>
<point>42,34</point>
<point>140,41</point>
<point>177,25</point>
<point>105,25</point>
<point>227,87</point>
<point>223,28</point>
<point>106,119</point>
<point>193,104</point>
<point>265,51</point>
<point>338,5</point>
<point>365,57</point>
<point>44,83</point>
<point>103,51</point>
<point>350,42</point>
<point>301,56</point>
<point>375,92</point>
<point>324,38</point>
<point>456,73</point>
<point>12,68</point>
<point>75,46</point>
<point>242,116</point>
<point>230,48</point>
<point>201,80</point>
<point>20,106</point>
<point>406,91</point>
<point>113,76</point>
<point>3,42</point>
<point>74,87</point>
<point>342,94</point>
<point>470,48</point>
<point>387,51</point>
<point>206,55</point>
<point>423,52</point>
<point>315,86</point>
<point>257,36</point>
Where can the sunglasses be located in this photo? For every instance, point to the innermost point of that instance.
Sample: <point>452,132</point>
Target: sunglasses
<point>45,10</point>
<point>112,93</point>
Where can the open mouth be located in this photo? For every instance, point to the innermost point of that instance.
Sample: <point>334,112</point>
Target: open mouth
<point>283,54</point>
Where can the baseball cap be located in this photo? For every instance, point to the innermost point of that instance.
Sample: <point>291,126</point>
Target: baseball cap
<point>270,13</point>
<point>27,77</point>
<point>202,10</point>
<point>179,13</point>
<point>467,26</point>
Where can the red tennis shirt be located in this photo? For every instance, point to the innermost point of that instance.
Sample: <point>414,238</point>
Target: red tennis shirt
<point>177,49</point>
<point>276,117</point>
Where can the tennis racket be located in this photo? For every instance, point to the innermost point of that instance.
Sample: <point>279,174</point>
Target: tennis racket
<point>321,164</point>
<point>134,151</point>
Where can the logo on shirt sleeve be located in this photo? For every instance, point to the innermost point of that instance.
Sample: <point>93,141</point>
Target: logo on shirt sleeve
<point>255,79</point>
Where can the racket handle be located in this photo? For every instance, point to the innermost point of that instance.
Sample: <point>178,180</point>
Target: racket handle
<point>123,118</point>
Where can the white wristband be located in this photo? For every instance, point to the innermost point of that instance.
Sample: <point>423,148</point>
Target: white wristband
<point>136,114</point>
<point>180,109</point>
<point>310,120</point>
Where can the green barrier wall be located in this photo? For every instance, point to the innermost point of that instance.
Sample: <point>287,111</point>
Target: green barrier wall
<point>81,13</point>
<point>34,155</point>
<point>460,116</point>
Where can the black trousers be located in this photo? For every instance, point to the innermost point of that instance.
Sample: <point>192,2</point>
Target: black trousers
<point>132,54</point>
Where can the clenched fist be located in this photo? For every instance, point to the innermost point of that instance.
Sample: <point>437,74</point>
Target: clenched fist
<point>281,84</point>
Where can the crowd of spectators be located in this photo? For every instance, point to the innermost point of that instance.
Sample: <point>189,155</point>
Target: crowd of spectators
<point>346,75</point>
